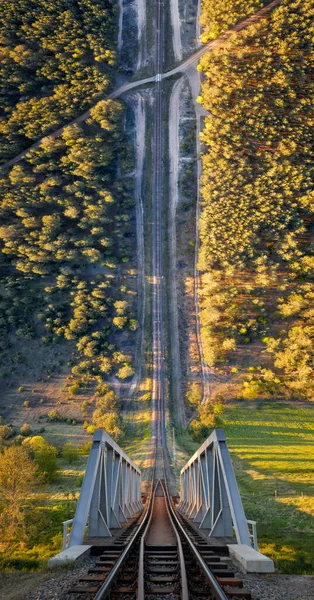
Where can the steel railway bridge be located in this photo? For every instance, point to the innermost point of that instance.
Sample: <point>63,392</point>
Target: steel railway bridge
<point>153,546</point>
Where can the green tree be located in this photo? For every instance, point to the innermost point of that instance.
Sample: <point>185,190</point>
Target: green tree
<point>18,477</point>
<point>70,453</point>
<point>125,372</point>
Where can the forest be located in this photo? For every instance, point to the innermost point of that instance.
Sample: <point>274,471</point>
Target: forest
<point>256,226</point>
<point>68,247</point>
<point>219,16</point>
<point>63,213</point>
<point>56,60</point>
<point>65,216</point>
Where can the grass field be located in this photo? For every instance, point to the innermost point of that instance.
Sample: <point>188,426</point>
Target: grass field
<point>272,448</point>
<point>51,505</point>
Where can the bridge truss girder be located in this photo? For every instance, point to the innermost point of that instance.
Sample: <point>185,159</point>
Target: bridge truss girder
<point>111,491</point>
<point>209,493</point>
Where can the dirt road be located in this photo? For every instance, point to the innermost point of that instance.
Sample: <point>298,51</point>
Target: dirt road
<point>183,67</point>
<point>174,146</point>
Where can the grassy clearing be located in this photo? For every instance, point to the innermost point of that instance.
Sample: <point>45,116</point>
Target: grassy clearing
<point>137,439</point>
<point>272,447</point>
<point>50,506</point>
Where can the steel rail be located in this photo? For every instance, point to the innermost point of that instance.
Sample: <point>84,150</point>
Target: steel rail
<point>214,585</point>
<point>105,589</point>
<point>158,379</point>
<point>140,586</point>
<point>184,581</point>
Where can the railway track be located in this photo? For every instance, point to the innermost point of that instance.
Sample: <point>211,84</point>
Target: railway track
<point>159,555</point>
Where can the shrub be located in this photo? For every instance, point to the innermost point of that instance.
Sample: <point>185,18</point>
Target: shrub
<point>74,389</point>
<point>108,421</point>
<point>6,432</point>
<point>25,430</point>
<point>252,389</point>
<point>105,365</point>
<point>107,402</point>
<point>119,322</point>
<point>91,429</point>
<point>55,416</point>
<point>125,372</point>
<point>219,409</point>
<point>194,393</point>
<point>18,440</point>
<point>198,431</point>
<point>44,455</point>
<point>70,452</point>
<point>35,443</point>
<point>86,448</point>
<point>102,389</point>
<point>46,459</point>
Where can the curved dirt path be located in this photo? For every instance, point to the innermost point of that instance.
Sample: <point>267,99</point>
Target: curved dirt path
<point>174,147</point>
<point>193,60</point>
<point>187,64</point>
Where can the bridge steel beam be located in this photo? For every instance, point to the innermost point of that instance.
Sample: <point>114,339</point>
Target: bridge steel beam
<point>209,493</point>
<point>111,490</point>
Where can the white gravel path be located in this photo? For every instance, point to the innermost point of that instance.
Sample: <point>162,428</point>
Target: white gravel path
<point>198,26</point>
<point>176,30</point>
<point>174,146</point>
<point>121,7</point>
<point>140,128</point>
<point>141,24</point>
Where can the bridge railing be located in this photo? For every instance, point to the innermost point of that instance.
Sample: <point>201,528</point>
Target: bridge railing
<point>209,493</point>
<point>66,533</point>
<point>110,493</point>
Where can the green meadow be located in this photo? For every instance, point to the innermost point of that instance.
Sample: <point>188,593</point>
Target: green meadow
<point>272,448</point>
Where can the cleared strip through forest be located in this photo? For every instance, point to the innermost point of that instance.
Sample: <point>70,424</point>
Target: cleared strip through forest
<point>193,60</point>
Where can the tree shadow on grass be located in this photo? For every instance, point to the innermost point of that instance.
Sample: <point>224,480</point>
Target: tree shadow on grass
<point>285,524</point>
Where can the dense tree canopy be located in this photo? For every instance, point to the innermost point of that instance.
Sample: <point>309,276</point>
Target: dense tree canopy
<point>256,223</point>
<point>63,213</point>
<point>54,62</point>
<point>219,15</point>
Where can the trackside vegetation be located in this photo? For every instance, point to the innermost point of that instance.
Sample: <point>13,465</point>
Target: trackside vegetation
<point>39,487</point>
<point>256,225</point>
